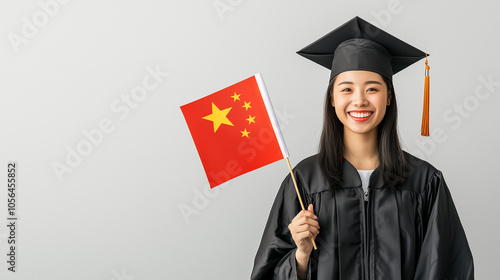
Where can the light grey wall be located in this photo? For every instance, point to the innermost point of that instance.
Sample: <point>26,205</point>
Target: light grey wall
<point>68,67</point>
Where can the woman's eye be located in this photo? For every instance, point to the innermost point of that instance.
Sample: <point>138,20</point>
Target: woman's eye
<point>372,89</point>
<point>346,90</point>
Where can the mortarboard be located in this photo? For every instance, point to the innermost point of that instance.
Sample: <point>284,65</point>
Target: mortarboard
<point>359,45</point>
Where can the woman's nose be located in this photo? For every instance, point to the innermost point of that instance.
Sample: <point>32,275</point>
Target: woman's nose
<point>359,99</point>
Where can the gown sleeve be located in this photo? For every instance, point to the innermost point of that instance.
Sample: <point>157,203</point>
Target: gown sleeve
<point>445,252</point>
<point>275,257</point>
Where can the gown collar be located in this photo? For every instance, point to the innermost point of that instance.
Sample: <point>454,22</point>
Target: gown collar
<point>351,179</point>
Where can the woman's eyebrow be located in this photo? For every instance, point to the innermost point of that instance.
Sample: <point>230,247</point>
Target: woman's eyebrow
<point>345,83</point>
<point>366,83</point>
<point>373,82</point>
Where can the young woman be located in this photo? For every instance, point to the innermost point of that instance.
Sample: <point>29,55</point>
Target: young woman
<point>374,211</point>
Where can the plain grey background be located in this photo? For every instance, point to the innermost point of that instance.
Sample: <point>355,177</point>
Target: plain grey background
<point>69,68</point>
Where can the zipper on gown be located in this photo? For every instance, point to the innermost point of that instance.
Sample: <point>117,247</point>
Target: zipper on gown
<point>366,237</point>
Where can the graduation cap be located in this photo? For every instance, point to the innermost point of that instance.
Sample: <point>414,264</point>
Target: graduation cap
<point>359,45</point>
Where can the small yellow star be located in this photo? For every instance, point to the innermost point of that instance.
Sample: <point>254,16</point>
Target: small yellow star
<point>251,119</point>
<point>236,96</point>
<point>218,117</point>
<point>246,106</point>
<point>245,133</point>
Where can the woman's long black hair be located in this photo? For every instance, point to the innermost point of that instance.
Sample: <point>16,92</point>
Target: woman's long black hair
<point>331,151</point>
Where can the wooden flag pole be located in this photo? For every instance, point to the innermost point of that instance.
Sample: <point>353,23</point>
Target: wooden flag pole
<point>298,194</point>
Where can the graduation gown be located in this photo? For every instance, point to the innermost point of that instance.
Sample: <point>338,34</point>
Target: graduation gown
<point>412,232</point>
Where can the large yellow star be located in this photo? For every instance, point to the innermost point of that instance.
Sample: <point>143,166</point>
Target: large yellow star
<point>250,119</point>
<point>245,133</point>
<point>218,117</point>
<point>247,105</point>
<point>236,96</point>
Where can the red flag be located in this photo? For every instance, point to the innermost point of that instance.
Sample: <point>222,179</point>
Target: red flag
<point>235,130</point>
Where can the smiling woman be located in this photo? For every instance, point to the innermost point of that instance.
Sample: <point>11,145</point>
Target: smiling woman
<point>383,213</point>
<point>372,91</point>
<point>360,99</point>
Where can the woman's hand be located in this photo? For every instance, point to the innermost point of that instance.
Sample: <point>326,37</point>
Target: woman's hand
<point>303,227</point>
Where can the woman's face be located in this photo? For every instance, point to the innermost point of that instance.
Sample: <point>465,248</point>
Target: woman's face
<point>360,99</point>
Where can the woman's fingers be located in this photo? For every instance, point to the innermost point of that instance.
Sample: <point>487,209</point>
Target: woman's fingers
<point>305,217</point>
<point>307,229</point>
<point>305,213</point>
<point>304,225</point>
<point>303,222</point>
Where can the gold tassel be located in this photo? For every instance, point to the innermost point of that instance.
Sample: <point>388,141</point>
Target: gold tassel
<point>425,115</point>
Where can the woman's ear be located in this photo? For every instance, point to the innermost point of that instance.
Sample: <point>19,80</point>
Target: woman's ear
<point>389,96</point>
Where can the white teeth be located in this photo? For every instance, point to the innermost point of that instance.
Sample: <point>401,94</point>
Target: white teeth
<point>360,115</point>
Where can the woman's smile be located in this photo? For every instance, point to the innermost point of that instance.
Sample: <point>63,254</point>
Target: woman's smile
<point>360,115</point>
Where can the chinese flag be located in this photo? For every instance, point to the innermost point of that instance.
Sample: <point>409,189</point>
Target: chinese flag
<point>235,130</point>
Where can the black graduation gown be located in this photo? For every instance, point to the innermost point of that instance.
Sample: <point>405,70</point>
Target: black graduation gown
<point>413,232</point>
